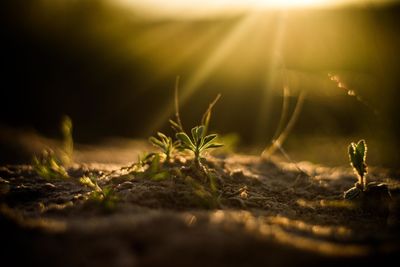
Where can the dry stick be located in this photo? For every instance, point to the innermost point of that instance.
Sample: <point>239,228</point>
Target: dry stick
<point>177,115</point>
<point>282,137</point>
<point>205,120</point>
<point>284,112</point>
<point>277,143</point>
<point>285,105</point>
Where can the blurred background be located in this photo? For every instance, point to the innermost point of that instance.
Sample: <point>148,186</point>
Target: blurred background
<point>111,66</point>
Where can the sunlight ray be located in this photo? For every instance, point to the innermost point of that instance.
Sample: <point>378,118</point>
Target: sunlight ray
<point>155,52</point>
<point>152,39</point>
<point>274,66</point>
<point>192,47</point>
<point>219,54</point>
<point>191,8</point>
<point>212,62</point>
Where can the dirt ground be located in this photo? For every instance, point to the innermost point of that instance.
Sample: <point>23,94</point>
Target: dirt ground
<point>263,213</point>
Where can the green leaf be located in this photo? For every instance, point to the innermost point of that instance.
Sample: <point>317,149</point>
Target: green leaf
<point>209,138</point>
<point>212,145</point>
<point>176,126</point>
<point>357,156</point>
<point>362,150</point>
<point>156,142</point>
<point>84,180</point>
<point>352,193</point>
<point>200,132</point>
<point>194,135</point>
<point>186,142</point>
<point>163,137</point>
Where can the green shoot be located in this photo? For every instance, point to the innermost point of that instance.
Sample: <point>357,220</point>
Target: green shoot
<point>149,166</point>
<point>105,196</point>
<point>362,189</point>
<point>164,143</point>
<point>357,156</point>
<point>372,197</point>
<point>89,182</point>
<point>48,166</point>
<point>198,143</point>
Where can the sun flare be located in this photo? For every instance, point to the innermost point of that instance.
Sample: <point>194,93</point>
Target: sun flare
<point>285,3</point>
<point>229,5</point>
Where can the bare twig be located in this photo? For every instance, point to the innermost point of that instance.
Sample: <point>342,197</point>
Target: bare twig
<point>284,134</point>
<point>205,120</point>
<point>177,115</point>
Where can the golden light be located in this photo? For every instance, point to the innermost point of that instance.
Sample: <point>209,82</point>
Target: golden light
<point>209,7</point>
<point>286,3</point>
<point>243,39</point>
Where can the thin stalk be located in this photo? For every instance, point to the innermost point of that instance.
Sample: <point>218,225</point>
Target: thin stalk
<point>177,114</point>
<point>205,120</point>
<point>197,159</point>
<point>284,112</point>
<point>282,137</point>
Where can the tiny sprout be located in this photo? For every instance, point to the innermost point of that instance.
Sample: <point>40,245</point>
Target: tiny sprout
<point>48,166</point>
<point>198,143</point>
<point>165,143</point>
<point>105,196</point>
<point>366,192</point>
<point>357,156</point>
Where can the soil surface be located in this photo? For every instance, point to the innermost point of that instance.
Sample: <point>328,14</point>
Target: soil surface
<point>256,213</point>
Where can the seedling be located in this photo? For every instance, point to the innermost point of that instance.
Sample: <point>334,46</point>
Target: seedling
<point>105,196</point>
<point>358,155</point>
<point>164,143</point>
<point>48,166</point>
<point>362,190</point>
<point>199,142</point>
<point>51,165</point>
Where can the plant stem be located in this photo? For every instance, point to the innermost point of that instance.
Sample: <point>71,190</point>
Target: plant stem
<point>197,159</point>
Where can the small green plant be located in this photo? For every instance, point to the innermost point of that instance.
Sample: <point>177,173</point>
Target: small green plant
<point>164,143</point>
<point>363,190</point>
<point>357,156</point>
<point>48,166</point>
<point>105,196</point>
<point>51,165</point>
<point>198,143</point>
<point>149,166</point>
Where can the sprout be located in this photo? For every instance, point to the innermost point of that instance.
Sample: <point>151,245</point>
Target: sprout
<point>165,143</point>
<point>372,196</point>
<point>198,143</point>
<point>357,156</point>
